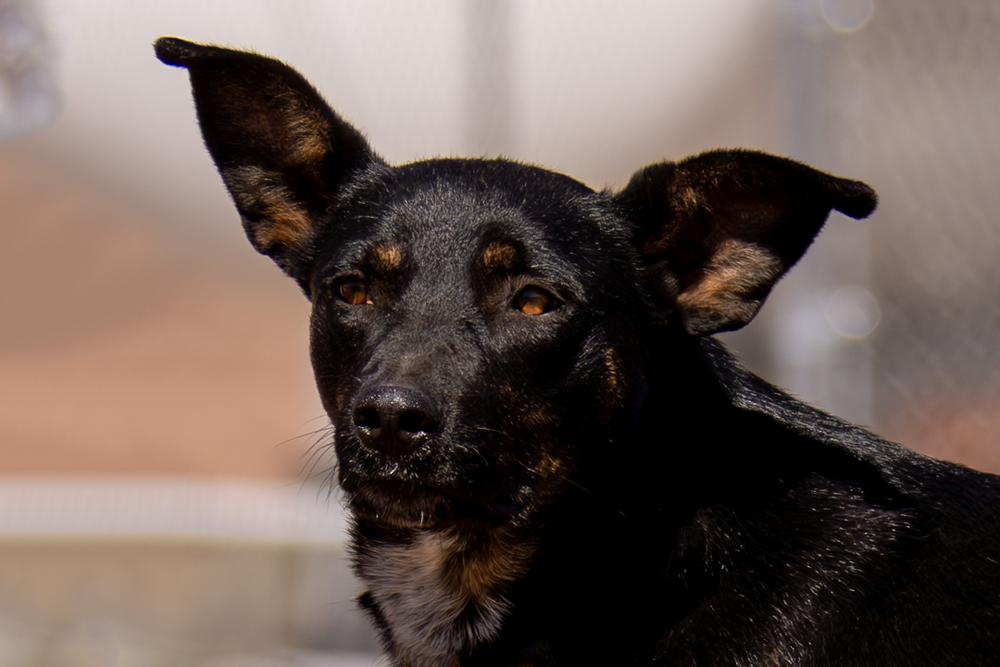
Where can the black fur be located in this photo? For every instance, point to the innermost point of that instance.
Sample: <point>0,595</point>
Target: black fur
<point>547,458</point>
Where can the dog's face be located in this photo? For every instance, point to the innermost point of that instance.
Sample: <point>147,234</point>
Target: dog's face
<point>474,324</point>
<point>481,328</point>
<point>486,334</point>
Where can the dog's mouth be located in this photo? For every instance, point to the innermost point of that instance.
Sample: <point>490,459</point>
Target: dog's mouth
<point>412,505</point>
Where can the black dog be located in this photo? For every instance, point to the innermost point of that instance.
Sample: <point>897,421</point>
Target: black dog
<point>547,458</point>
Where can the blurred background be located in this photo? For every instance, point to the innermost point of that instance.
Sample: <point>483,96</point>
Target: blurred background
<point>162,497</point>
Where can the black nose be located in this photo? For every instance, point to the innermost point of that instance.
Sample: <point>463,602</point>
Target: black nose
<point>392,420</point>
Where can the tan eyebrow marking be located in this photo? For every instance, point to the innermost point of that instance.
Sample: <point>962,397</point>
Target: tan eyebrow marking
<point>499,255</point>
<point>386,257</point>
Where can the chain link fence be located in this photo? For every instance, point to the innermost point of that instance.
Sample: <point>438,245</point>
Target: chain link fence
<point>919,111</point>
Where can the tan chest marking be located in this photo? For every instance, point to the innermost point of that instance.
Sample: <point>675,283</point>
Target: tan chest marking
<point>443,593</point>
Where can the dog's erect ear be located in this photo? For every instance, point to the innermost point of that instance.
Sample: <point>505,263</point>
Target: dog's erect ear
<point>282,151</point>
<point>726,225</point>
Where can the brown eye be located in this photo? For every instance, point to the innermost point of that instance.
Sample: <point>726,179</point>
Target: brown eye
<point>354,291</point>
<point>535,301</point>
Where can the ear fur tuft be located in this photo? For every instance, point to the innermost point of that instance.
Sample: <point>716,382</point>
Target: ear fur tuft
<point>728,224</point>
<point>282,152</point>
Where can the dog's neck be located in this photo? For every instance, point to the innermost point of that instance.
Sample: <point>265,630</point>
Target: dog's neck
<point>439,594</point>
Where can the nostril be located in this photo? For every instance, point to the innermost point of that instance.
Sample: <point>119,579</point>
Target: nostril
<point>415,421</point>
<point>367,418</point>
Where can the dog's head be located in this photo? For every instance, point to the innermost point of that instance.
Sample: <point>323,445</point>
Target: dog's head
<point>481,328</point>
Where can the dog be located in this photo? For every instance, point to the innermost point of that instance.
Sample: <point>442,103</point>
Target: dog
<point>547,458</point>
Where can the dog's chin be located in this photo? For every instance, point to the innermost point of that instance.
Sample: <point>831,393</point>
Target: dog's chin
<point>407,505</point>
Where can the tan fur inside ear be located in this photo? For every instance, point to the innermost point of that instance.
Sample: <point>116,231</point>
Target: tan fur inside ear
<point>273,216</point>
<point>309,134</point>
<point>295,130</point>
<point>733,283</point>
<point>297,135</point>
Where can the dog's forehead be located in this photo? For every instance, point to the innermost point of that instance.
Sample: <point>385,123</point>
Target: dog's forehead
<point>486,208</point>
<point>470,193</point>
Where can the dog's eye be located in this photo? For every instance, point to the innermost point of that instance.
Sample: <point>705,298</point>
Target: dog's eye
<point>354,291</point>
<point>535,301</point>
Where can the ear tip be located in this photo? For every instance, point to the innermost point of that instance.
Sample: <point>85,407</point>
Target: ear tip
<point>178,52</point>
<point>856,199</point>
